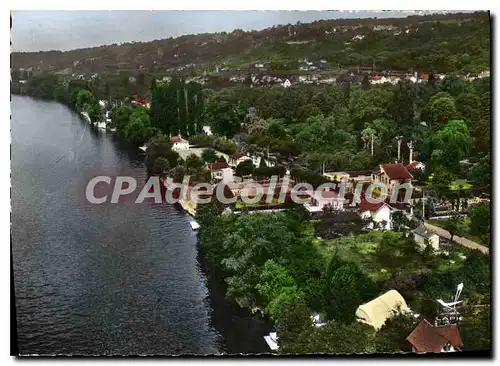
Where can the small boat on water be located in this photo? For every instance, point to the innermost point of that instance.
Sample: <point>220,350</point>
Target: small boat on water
<point>86,116</point>
<point>194,225</point>
<point>272,341</point>
<point>143,148</point>
<point>112,129</point>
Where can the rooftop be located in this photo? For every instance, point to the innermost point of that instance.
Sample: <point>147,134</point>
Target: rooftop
<point>412,166</point>
<point>424,232</point>
<point>364,205</point>
<point>218,165</point>
<point>396,171</point>
<point>428,338</point>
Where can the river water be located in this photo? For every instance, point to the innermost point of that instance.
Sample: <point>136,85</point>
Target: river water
<point>97,279</point>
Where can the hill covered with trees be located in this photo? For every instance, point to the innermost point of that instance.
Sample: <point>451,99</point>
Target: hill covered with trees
<point>438,42</point>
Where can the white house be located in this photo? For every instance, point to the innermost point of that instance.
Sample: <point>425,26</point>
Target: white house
<point>217,169</point>
<point>179,143</point>
<point>238,158</point>
<point>227,175</point>
<point>287,83</point>
<point>380,213</point>
<point>256,161</point>
<point>391,174</point>
<point>421,234</point>
<point>427,338</point>
<point>320,199</point>
<point>207,130</point>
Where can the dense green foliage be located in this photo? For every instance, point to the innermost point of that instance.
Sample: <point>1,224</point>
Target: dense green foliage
<point>282,269</point>
<point>175,108</point>
<point>308,126</point>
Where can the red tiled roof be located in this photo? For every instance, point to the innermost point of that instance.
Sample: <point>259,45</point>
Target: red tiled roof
<point>424,76</point>
<point>451,333</point>
<point>376,77</point>
<point>176,139</point>
<point>396,171</point>
<point>412,166</point>
<point>427,338</point>
<point>218,165</point>
<point>237,155</point>
<point>364,205</point>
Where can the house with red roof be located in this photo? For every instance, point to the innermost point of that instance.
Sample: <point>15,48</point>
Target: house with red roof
<point>435,339</point>
<point>379,214</point>
<point>390,175</point>
<point>321,198</point>
<point>220,171</point>
<point>238,158</point>
<point>142,102</point>
<point>415,165</point>
<point>179,143</point>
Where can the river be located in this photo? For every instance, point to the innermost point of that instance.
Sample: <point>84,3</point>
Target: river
<point>119,279</point>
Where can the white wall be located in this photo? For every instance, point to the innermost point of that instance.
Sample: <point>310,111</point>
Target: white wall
<point>181,145</point>
<point>433,241</point>
<point>384,214</point>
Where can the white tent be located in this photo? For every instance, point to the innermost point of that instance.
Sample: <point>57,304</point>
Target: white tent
<point>377,311</point>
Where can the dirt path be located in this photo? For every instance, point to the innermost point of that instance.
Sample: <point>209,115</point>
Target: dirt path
<point>457,239</point>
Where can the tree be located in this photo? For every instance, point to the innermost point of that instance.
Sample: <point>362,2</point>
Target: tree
<point>452,224</point>
<point>178,173</point>
<point>403,108</point>
<point>223,113</point>
<point>277,288</point>
<point>194,163</point>
<point>160,146</point>
<point>391,337</point>
<point>366,82</point>
<point>346,288</point>
<point>209,156</point>
<point>161,167</point>
<point>368,137</point>
<point>244,168</point>
<point>399,220</point>
<point>183,114</point>
<point>442,110</point>
<point>191,108</point>
<point>480,174</point>
<point>138,130</point>
<point>453,142</point>
<point>172,104</point>
<point>476,329</point>
<point>295,328</point>
<point>339,338</point>
<point>480,219</point>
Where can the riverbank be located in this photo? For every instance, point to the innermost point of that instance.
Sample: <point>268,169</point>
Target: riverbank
<point>242,331</point>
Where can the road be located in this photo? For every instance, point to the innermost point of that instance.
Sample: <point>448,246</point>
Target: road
<point>457,239</point>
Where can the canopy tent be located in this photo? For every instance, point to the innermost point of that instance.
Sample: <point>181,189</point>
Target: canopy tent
<point>377,311</point>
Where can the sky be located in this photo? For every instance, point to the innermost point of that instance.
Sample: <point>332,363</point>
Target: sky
<point>34,31</point>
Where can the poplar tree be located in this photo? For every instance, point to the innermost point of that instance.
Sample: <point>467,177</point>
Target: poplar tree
<point>183,124</point>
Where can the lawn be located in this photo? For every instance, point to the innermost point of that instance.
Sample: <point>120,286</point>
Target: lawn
<point>463,230</point>
<point>460,184</point>
<point>240,205</point>
<point>383,254</point>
